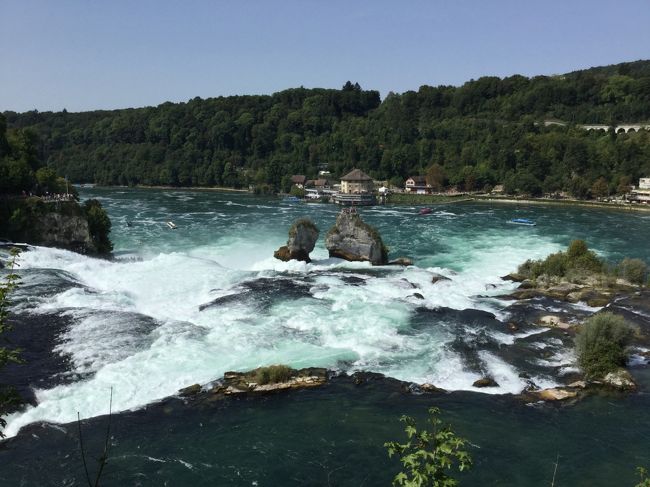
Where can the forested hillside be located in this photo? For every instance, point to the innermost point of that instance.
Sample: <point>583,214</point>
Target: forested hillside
<point>485,132</point>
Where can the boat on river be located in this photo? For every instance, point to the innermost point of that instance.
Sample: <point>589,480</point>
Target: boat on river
<point>523,221</point>
<point>171,225</point>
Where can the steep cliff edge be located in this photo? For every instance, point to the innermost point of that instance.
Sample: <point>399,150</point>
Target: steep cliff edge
<point>62,224</point>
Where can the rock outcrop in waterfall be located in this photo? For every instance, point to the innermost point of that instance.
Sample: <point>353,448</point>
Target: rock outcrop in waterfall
<point>354,240</point>
<point>303,235</point>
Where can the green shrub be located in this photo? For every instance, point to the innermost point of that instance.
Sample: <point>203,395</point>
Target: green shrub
<point>577,261</point>
<point>272,374</point>
<point>296,191</point>
<point>428,455</point>
<point>554,265</point>
<point>576,249</point>
<point>601,342</point>
<point>634,270</point>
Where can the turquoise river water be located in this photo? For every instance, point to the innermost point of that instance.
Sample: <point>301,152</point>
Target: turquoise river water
<point>178,307</point>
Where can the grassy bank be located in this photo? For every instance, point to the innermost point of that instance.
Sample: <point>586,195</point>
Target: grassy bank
<point>420,199</point>
<point>562,202</point>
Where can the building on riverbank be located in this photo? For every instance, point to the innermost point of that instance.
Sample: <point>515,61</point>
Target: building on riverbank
<point>356,189</point>
<point>417,185</point>
<point>642,193</point>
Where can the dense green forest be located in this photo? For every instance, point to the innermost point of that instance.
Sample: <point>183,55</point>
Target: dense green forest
<point>487,131</point>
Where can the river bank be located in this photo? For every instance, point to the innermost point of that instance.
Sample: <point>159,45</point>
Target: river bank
<point>562,202</point>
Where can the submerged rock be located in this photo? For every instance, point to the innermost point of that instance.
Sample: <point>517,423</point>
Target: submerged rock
<point>485,382</point>
<point>405,261</point>
<point>438,277</point>
<point>303,235</point>
<point>354,240</point>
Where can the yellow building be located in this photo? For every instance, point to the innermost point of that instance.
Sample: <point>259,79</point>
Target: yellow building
<point>356,181</point>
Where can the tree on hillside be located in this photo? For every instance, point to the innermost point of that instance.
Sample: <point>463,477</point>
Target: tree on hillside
<point>600,188</point>
<point>436,177</point>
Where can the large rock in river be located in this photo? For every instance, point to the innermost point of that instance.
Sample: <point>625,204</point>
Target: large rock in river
<point>302,239</point>
<point>353,239</point>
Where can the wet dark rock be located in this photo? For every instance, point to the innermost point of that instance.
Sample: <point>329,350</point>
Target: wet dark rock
<point>192,390</point>
<point>362,377</point>
<point>437,278</point>
<point>408,283</point>
<point>417,295</point>
<point>262,292</point>
<point>485,382</point>
<point>426,387</point>
<point>354,280</point>
<point>404,261</point>
<point>514,277</point>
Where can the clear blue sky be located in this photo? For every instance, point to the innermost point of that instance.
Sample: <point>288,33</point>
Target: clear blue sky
<point>84,54</point>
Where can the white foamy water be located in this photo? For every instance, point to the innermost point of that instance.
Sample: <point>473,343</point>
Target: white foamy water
<point>138,327</point>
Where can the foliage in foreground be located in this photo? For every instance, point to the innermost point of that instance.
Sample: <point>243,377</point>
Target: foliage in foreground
<point>643,475</point>
<point>7,355</point>
<point>601,342</point>
<point>429,455</point>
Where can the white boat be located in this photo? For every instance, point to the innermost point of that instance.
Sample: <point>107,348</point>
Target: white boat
<point>172,225</point>
<point>522,221</point>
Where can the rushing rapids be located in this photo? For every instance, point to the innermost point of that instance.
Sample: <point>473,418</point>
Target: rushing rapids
<point>183,307</point>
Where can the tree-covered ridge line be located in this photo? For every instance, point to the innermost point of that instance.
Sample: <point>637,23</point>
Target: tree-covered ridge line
<point>485,132</point>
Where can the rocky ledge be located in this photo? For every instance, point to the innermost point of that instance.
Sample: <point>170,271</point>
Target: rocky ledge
<point>354,240</point>
<point>280,378</point>
<point>261,380</point>
<point>591,290</point>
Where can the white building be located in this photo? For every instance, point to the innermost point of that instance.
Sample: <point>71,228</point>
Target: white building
<point>642,194</point>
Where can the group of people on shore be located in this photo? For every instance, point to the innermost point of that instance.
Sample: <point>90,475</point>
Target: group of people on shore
<point>50,197</point>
